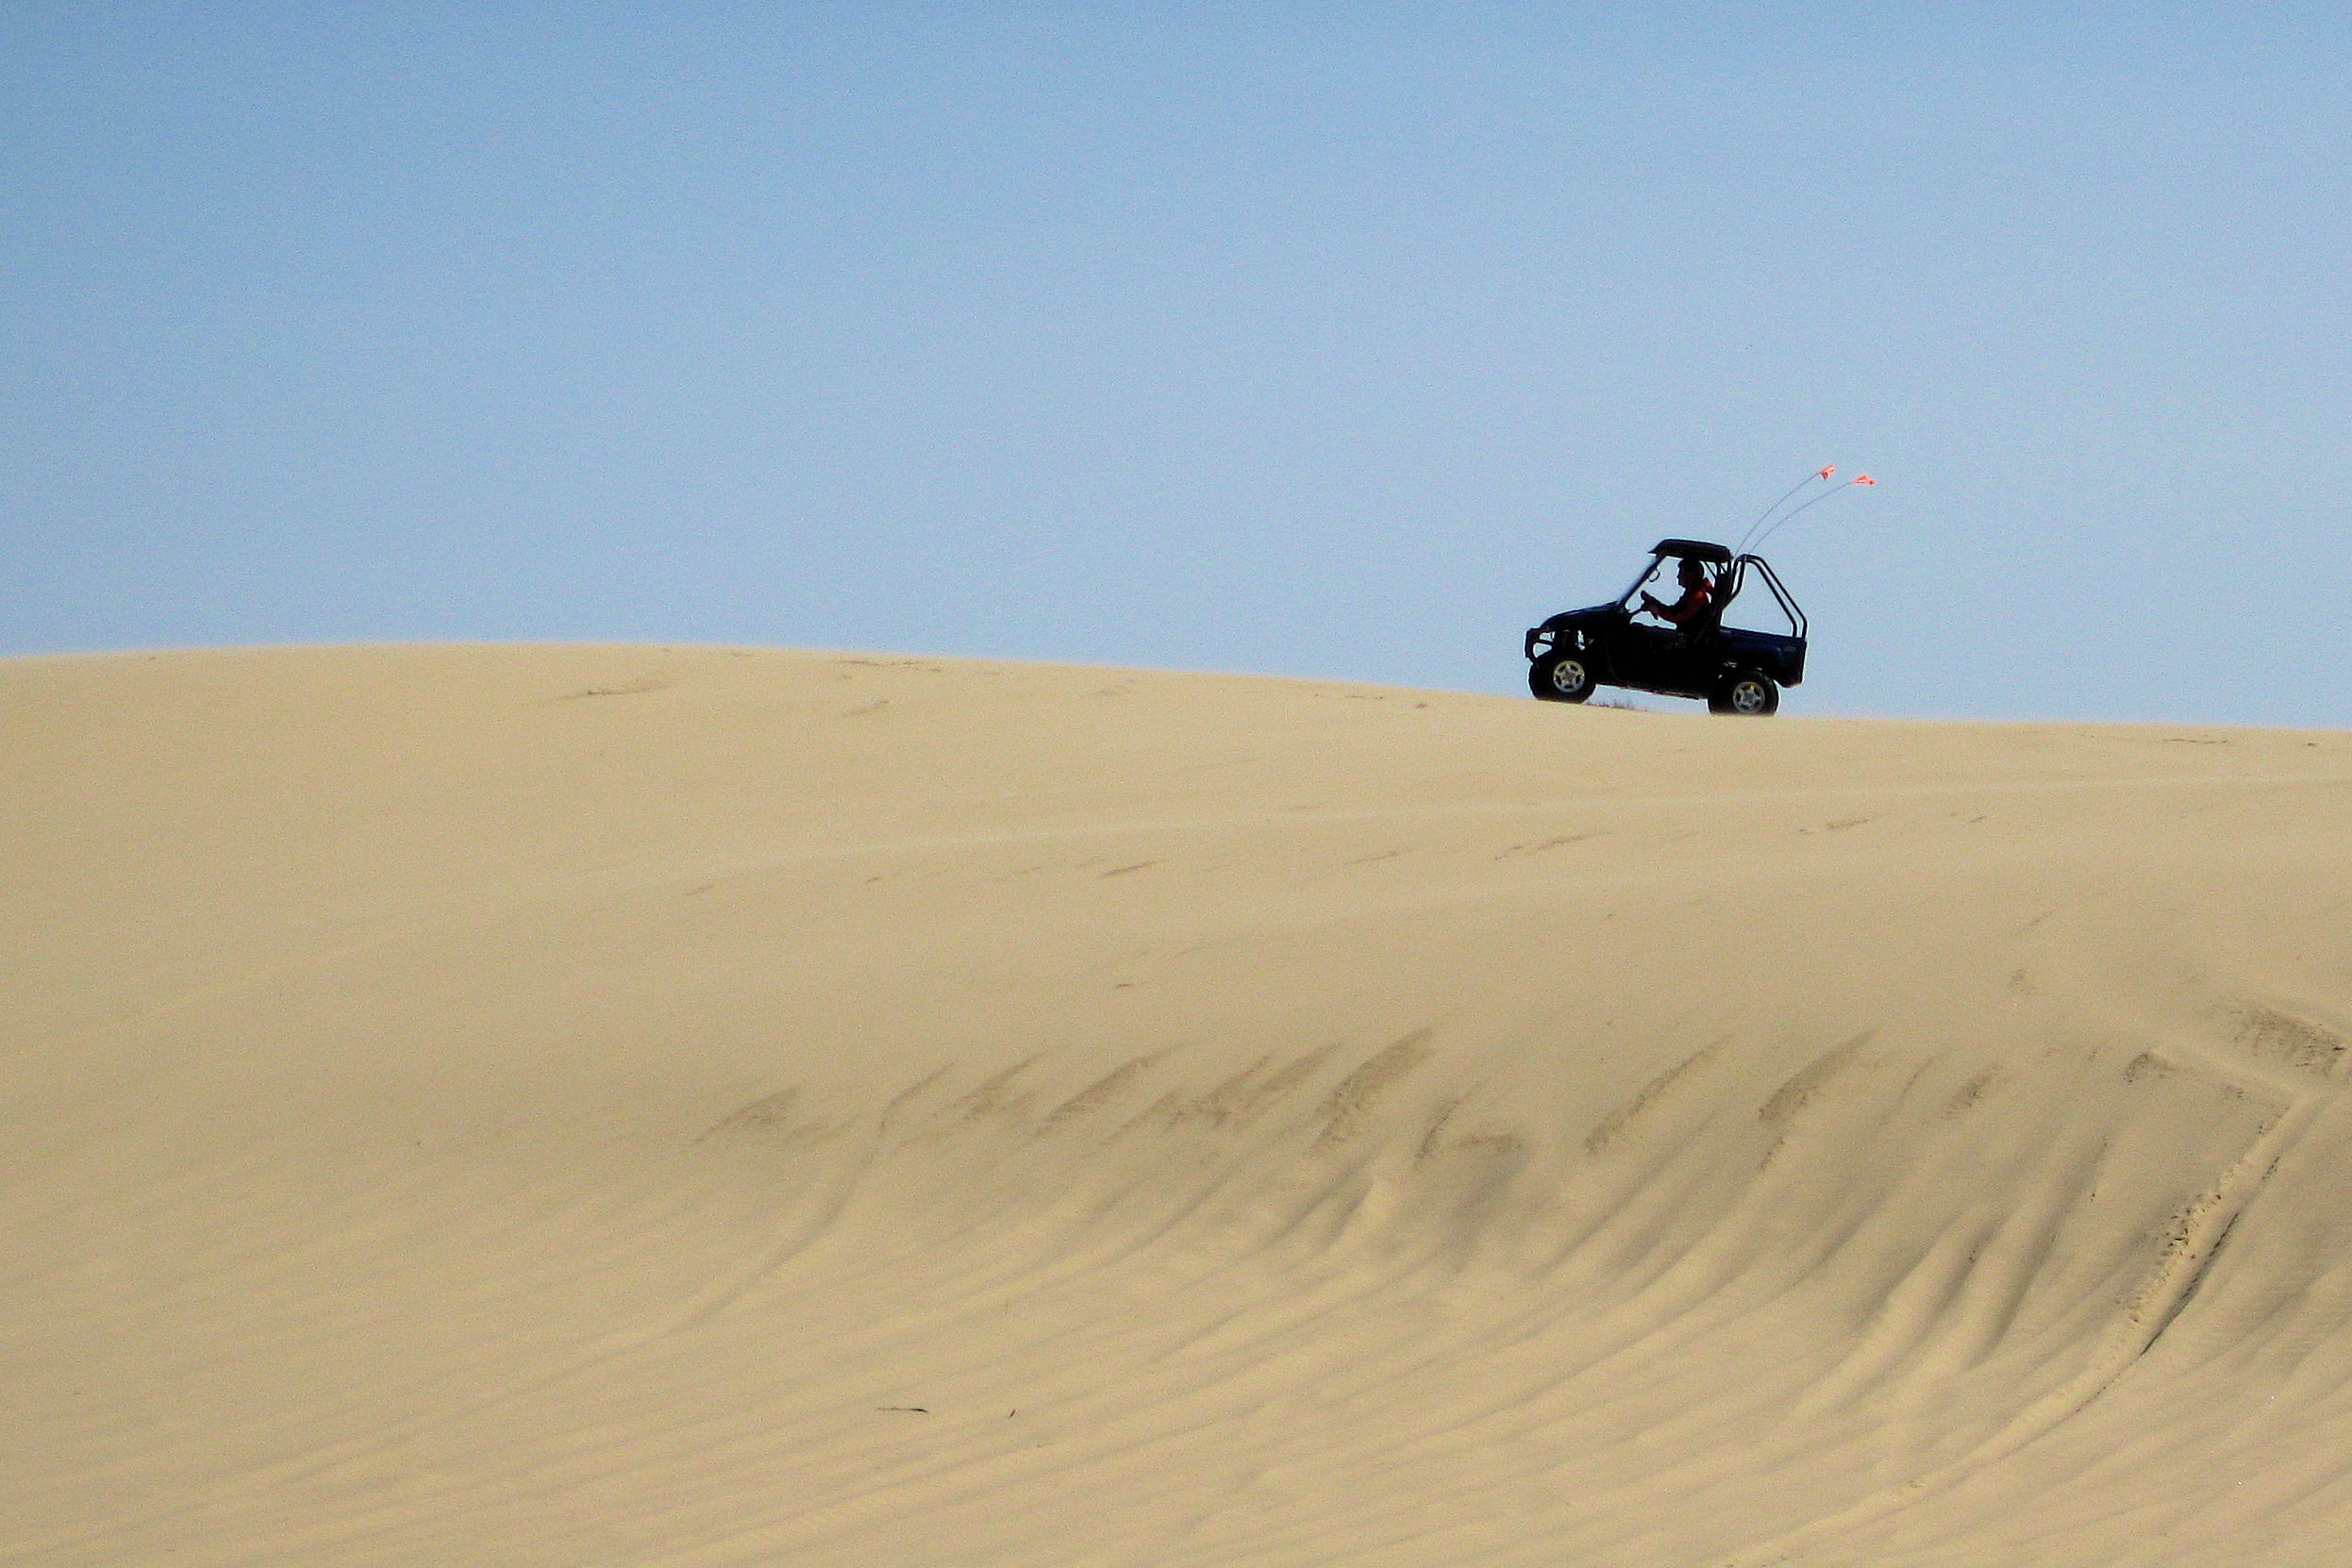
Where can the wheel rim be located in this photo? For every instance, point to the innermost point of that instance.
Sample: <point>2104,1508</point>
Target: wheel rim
<point>1568,676</point>
<point>1748,696</point>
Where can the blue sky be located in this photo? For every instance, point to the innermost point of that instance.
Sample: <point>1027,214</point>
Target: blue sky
<point>1329,339</point>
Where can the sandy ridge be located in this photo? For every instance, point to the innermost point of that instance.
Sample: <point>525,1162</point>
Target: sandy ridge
<point>793,1107</point>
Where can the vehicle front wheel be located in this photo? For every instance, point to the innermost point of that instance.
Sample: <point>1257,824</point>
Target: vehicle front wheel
<point>1749,691</point>
<point>1562,678</point>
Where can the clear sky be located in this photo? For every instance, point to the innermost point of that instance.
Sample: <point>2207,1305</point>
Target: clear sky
<point>1328,340</point>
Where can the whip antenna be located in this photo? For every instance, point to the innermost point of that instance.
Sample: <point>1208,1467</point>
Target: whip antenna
<point>1825,472</point>
<point>1857,479</point>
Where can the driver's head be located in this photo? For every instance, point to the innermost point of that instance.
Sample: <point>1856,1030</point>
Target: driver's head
<point>1691,573</point>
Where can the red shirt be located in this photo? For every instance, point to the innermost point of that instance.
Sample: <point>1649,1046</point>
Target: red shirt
<point>1694,598</point>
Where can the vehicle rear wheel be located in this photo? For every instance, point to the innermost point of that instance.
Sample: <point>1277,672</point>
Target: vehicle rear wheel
<point>1746,691</point>
<point>1562,678</point>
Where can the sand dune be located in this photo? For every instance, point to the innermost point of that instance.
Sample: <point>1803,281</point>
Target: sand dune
<point>628,1104</point>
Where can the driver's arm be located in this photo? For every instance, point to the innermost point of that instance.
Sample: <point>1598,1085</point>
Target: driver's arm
<point>1677,612</point>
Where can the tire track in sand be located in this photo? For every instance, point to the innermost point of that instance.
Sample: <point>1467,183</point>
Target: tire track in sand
<point>2196,1239</point>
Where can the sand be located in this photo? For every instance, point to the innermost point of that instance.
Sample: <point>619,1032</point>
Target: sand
<point>570,1105</point>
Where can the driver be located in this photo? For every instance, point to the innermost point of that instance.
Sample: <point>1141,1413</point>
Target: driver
<point>1697,593</point>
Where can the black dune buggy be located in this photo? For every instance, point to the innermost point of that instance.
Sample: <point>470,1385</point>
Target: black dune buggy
<point>1735,670</point>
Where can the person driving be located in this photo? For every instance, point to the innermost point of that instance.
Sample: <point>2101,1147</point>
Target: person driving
<point>1697,593</point>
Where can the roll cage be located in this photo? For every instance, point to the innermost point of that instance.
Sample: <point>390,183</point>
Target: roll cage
<point>1731,576</point>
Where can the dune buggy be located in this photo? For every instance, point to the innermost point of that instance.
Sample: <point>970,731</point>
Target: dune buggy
<point>1735,670</point>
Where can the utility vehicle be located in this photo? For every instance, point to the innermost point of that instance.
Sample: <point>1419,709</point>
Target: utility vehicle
<point>1735,670</point>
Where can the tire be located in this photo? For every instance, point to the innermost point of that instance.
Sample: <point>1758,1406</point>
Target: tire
<point>1750,692</point>
<point>1562,678</point>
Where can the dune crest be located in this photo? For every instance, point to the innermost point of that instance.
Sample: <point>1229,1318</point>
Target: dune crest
<point>551,1105</point>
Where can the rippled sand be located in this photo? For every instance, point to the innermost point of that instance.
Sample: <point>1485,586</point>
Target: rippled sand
<point>623,1104</point>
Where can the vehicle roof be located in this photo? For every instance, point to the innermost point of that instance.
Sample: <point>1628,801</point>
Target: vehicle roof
<point>1696,549</point>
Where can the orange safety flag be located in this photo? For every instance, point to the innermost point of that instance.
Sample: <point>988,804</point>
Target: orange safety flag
<point>1864,479</point>
<point>1827,472</point>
